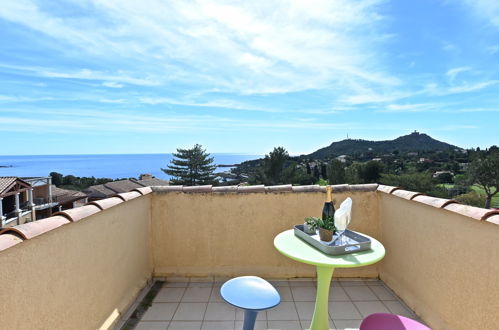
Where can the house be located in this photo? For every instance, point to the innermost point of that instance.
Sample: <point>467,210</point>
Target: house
<point>16,201</point>
<point>109,189</point>
<point>342,158</point>
<point>68,199</point>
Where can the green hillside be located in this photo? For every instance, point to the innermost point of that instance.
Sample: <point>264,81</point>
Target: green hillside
<point>411,142</point>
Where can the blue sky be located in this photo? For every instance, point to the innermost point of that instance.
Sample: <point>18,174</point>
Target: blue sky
<point>126,76</point>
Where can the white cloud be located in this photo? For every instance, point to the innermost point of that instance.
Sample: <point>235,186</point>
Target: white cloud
<point>412,107</point>
<point>112,84</point>
<point>452,73</point>
<point>256,47</point>
<point>486,9</point>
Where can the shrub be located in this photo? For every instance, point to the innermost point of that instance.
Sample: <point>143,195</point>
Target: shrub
<point>472,198</point>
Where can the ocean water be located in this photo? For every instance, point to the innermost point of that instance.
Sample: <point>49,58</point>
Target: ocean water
<point>101,166</point>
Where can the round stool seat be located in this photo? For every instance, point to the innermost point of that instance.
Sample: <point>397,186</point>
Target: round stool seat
<point>250,293</point>
<point>385,321</point>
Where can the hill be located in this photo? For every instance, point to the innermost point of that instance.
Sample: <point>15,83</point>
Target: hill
<point>411,142</point>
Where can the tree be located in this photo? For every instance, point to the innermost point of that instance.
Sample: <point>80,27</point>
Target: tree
<point>371,171</point>
<point>336,172</point>
<point>484,172</point>
<point>191,167</point>
<point>273,166</point>
<point>56,178</point>
<point>353,173</point>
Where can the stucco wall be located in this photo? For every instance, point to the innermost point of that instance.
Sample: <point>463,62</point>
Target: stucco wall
<point>229,234</point>
<point>80,275</point>
<point>444,265</point>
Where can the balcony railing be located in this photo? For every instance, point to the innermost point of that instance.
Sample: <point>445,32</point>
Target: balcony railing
<point>441,257</point>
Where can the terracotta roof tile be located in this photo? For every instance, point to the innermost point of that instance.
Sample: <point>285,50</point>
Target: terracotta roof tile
<point>79,213</point>
<point>153,182</point>
<point>107,202</point>
<point>122,186</point>
<point>224,189</point>
<point>143,190</point>
<point>251,189</point>
<point>281,188</point>
<point>309,188</point>
<point>387,189</point>
<point>8,240</point>
<point>362,187</point>
<point>129,195</point>
<point>471,211</point>
<point>433,201</point>
<point>6,181</point>
<point>165,189</point>
<point>406,194</point>
<point>493,219</point>
<point>66,195</point>
<point>35,228</point>
<point>197,189</point>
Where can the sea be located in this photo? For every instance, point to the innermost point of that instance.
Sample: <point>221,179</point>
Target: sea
<point>113,166</point>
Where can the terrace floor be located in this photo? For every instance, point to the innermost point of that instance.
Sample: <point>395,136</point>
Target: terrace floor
<point>194,304</point>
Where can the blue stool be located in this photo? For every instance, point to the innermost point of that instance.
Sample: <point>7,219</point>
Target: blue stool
<point>251,293</point>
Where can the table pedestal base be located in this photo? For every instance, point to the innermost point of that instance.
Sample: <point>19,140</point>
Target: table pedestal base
<point>320,320</point>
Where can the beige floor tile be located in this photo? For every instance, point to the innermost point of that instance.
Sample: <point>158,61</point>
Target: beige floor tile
<point>177,279</point>
<point>175,284</point>
<point>338,294</point>
<point>185,325</point>
<point>396,307</point>
<point>215,295</point>
<point>369,307</point>
<point>304,293</point>
<point>285,293</point>
<point>190,312</point>
<point>201,284</point>
<point>306,325</point>
<point>305,310</point>
<point>259,325</point>
<point>298,282</point>
<point>382,293</point>
<point>261,316</point>
<point>277,283</point>
<point>197,294</point>
<point>360,293</point>
<point>218,325</point>
<point>220,312</point>
<point>285,311</point>
<point>148,325</point>
<point>284,325</point>
<point>169,295</point>
<point>347,324</point>
<point>160,312</point>
<point>351,282</point>
<point>344,310</point>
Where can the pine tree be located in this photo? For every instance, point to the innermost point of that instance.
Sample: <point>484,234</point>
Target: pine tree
<point>191,167</point>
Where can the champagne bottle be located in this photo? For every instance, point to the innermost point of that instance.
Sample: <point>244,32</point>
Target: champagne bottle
<point>328,210</point>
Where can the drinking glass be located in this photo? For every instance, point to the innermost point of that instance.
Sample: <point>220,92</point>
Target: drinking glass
<point>342,218</point>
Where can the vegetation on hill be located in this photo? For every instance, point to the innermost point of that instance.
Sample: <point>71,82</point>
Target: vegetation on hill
<point>75,182</point>
<point>413,142</point>
<point>415,162</point>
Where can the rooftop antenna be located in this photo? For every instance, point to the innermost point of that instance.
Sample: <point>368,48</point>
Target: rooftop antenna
<point>347,136</point>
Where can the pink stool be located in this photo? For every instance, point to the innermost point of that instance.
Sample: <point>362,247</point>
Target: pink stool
<point>384,321</point>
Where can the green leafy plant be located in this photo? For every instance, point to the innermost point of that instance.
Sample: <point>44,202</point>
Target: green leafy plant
<point>311,222</point>
<point>327,223</point>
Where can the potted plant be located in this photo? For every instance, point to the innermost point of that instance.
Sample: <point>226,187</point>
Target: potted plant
<point>310,225</point>
<point>326,228</point>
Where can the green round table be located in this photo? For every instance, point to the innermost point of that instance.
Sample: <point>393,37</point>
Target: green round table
<point>295,248</point>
